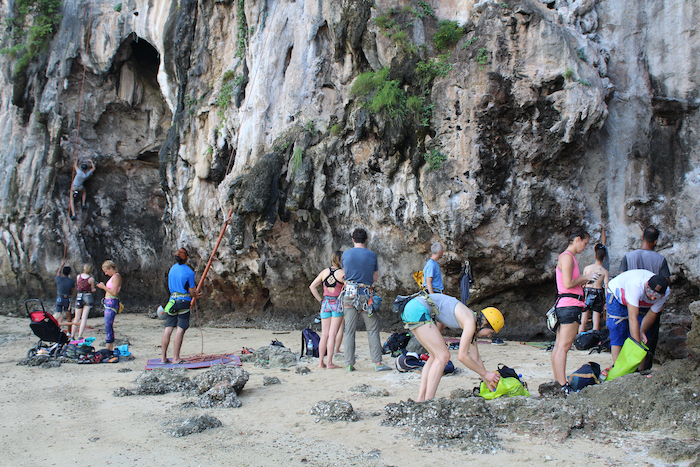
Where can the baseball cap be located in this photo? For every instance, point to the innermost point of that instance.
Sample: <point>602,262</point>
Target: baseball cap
<point>658,284</point>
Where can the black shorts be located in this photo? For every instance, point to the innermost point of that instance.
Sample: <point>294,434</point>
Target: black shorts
<point>595,299</point>
<point>569,314</point>
<point>181,321</point>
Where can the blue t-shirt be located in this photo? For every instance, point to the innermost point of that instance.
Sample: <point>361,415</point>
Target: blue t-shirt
<point>359,265</point>
<point>180,279</point>
<point>432,269</point>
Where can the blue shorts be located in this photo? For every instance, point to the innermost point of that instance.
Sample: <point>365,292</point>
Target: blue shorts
<point>415,314</point>
<point>619,328</point>
<point>330,307</point>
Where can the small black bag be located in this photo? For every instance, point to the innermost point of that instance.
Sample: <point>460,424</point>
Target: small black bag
<point>588,339</point>
<point>76,351</point>
<point>395,343</point>
<point>401,301</point>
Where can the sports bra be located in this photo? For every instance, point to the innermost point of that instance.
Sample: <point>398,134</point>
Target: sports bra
<point>330,281</point>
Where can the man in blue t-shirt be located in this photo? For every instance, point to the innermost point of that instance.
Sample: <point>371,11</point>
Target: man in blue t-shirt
<point>182,289</point>
<point>361,271</point>
<point>432,277</point>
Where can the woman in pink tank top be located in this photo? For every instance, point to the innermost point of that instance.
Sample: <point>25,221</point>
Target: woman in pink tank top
<point>331,310</point>
<point>569,301</point>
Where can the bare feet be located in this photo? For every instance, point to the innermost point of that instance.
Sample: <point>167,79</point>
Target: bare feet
<point>332,366</point>
<point>321,365</point>
<point>165,361</point>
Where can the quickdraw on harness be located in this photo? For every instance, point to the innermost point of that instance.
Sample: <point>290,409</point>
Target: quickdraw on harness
<point>362,296</point>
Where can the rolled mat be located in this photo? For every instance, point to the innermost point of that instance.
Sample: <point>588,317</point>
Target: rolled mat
<point>631,355</point>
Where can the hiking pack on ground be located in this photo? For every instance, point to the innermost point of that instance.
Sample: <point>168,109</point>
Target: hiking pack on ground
<point>509,385</point>
<point>591,339</point>
<point>309,343</point>
<point>396,343</point>
<point>587,375</point>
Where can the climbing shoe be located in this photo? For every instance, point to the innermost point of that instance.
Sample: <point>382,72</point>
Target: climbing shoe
<point>351,368</point>
<point>381,367</point>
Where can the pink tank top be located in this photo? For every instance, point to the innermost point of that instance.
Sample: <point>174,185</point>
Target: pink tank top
<point>578,290</point>
<point>109,285</point>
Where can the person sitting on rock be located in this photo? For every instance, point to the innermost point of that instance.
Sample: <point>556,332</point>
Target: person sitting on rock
<point>81,174</point>
<point>419,319</point>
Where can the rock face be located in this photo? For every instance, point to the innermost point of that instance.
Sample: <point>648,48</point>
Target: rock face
<point>308,120</point>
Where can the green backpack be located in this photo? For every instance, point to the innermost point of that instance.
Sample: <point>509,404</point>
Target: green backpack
<point>509,385</point>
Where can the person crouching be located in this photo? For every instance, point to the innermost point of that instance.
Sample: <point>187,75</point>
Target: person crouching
<point>418,318</point>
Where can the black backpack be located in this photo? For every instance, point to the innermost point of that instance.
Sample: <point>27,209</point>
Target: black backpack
<point>395,343</point>
<point>309,342</point>
<point>76,351</point>
<point>588,339</point>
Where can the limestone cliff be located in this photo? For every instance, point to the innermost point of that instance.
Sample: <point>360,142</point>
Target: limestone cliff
<point>489,126</point>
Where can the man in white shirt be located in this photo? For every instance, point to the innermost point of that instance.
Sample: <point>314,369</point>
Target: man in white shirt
<point>627,293</point>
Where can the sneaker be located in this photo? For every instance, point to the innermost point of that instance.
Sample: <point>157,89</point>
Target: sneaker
<point>381,367</point>
<point>351,368</point>
<point>497,341</point>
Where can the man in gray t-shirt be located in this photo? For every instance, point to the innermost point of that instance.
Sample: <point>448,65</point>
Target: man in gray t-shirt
<point>647,258</point>
<point>81,174</point>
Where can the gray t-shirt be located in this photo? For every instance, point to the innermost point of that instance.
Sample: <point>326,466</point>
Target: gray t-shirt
<point>645,259</point>
<point>446,306</point>
<point>80,178</point>
<point>64,285</point>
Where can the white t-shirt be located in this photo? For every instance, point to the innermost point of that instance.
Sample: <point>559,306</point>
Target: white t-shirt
<point>628,289</point>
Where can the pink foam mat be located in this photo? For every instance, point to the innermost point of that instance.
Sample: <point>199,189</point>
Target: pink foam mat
<point>229,359</point>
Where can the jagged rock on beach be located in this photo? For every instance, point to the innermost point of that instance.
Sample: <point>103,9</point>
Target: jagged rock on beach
<point>334,411</point>
<point>222,395</point>
<point>271,356</point>
<point>466,423</point>
<point>237,377</point>
<point>270,380</point>
<point>183,427</point>
<point>302,370</point>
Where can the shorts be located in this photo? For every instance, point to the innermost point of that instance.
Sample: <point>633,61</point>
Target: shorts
<point>595,299</point>
<point>84,299</point>
<point>619,328</point>
<point>569,314</point>
<point>182,321</point>
<point>415,315</point>
<point>62,304</point>
<point>330,307</point>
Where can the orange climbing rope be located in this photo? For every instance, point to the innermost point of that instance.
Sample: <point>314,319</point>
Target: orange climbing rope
<point>199,288</point>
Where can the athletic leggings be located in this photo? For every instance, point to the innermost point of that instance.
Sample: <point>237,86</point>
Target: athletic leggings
<point>111,308</point>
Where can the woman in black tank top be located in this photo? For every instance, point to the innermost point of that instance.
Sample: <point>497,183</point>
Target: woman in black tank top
<point>331,310</point>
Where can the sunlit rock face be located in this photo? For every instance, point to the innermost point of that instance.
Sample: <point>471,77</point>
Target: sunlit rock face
<point>538,117</point>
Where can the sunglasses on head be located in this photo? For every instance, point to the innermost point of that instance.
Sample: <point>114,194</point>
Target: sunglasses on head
<point>651,293</point>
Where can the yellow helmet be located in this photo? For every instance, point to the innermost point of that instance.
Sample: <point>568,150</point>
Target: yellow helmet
<point>494,317</point>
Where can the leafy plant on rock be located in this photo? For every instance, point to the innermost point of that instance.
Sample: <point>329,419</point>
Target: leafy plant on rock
<point>448,33</point>
<point>33,24</point>
<point>434,158</point>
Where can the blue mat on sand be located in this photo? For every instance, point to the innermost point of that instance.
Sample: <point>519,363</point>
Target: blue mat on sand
<point>229,359</point>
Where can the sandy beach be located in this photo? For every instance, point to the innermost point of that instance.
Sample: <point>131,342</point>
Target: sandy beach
<point>69,415</point>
